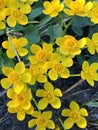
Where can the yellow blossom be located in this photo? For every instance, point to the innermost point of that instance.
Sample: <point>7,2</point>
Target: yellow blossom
<point>53,8</point>
<point>37,74</point>
<point>93,14</point>
<point>69,45</point>
<point>41,55</point>
<point>49,96</point>
<point>92,44</point>
<point>41,120</point>
<point>89,72</point>
<point>18,43</point>
<point>17,77</point>
<point>16,13</point>
<point>58,67</point>
<point>75,116</point>
<point>77,7</point>
<point>20,103</point>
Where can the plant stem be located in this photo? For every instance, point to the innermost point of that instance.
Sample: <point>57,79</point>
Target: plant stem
<point>61,123</point>
<point>73,75</point>
<point>36,104</point>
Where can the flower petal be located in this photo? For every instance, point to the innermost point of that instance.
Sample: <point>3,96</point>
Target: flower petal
<point>57,92</point>
<point>7,70</point>
<point>52,75</point>
<point>83,112</point>
<point>21,115</point>
<point>11,22</point>
<point>18,87</point>
<point>82,123</point>
<point>47,114</point>
<point>31,123</point>
<point>23,20</point>
<point>5,83</point>
<point>66,112</point>
<point>22,51</point>
<point>68,123</point>
<point>56,104</point>
<point>20,67</point>
<point>40,93</point>
<point>74,106</point>
<point>50,124</point>
<point>42,104</point>
<point>10,93</point>
<point>48,87</point>
<point>26,77</point>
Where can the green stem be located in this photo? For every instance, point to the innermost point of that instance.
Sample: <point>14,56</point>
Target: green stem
<point>36,104</point>
<point>61,123</point>
<point>73,75</point>
<point>65,25</point>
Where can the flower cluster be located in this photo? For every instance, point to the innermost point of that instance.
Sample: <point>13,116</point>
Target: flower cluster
<point>31,80</point>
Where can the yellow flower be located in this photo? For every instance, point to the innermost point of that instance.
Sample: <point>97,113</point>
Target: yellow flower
<point>16,13</point>
<point>75,115</point>
<point>42,120</point>
<point>93,14</point>
<point>50,96</point>
<point>77,7</point>
<point>19,46</point>
<point>30,2</point>
<point>37,74</point>
<point>69,45</point>
<point>92,44</point>
<point>2,18</point>
<point>52,8</point>
<point>41,55</point>
<point>58,67</point>
<point>89,72</point>
<point>20,103</point>
<point>17,77</point>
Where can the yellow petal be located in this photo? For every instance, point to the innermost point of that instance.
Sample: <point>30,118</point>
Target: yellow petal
<point>33,59</point>
<point>57,92</point>
<point>5,83</point>
<point>20,67</point>
<point>13,104</point>
<point>7,70</point>
<point>36,114</point>
<point>74,106</point>
<point>48,87</point>
<point>11,53</point>
<point>40,93</point>
<point>5,44</point>
<point>56,104</point>
<point>52,75</point>
<point>10,93</point>
<point>23,20</point>
<point>11,22</point>
<point>66,112</point>
<point>26,105</point>
<point>35,48</point>
<point>21,115</point>
<point>68,123</point>
<point>26,77</point>
<point>82,123</point>
<point>26,9</point>
<point>47,114</point>
<point>31,123</point>
<point>18,87</point>
<point>85,65</point>
<point>2,25</point>
<point>42,104</point>
<point>50,124</point>
<point>22,51</point>
<point>69,12</point>
<point>83,112</point>
<point>23,41</point>
<point>41,78</point>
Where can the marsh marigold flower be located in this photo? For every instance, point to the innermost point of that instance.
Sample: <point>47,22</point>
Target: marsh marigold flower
<point>42,120</point>
<point>89,72</point>
<point>69,45</point>
<point>15,76</point>
<point>41,55</point>
<point>77,7</point>
<point>20,103</point>
<point>53,8</point>
<point>58,67</point>
<point>37,74</point>
<point>16,13</point>
<point>18,43</point>
<point>92,44</point>
<point>93,13</point>
<point>49,96</point>
<point>76,115</point>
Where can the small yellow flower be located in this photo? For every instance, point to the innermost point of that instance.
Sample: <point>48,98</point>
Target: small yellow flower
<point>37,74</point>
<point>19,46</point>
<point>77,7</point>
<point>42,120</point>
<point>92,44</point>
<point>20,103</point>
<point>50,96</point>
<point>17,77</point>
<point>41,55</point>
<point>69,45</point>
<point>89,72</point>
<point>16,13</point>
<point>75,115</point>
<point>53,8</point>
<point>93,14</point>
<point>58,67</point>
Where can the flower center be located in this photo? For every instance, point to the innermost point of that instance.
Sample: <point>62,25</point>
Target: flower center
<point>49,96</point>
<point>41,122</point>
<point>76,7</point>
<point>17,14</point>
<point>71,42</point>
<point>59,68</point>
<point>20,98</point>
<point>13,77</point>
<point>41,56</point>
<point>75,116</point>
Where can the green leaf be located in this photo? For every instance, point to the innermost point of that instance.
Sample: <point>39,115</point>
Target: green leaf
<point>54,31</point>
<point>77,30</point>
<point>92,104</point>
<point>31,33</point>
